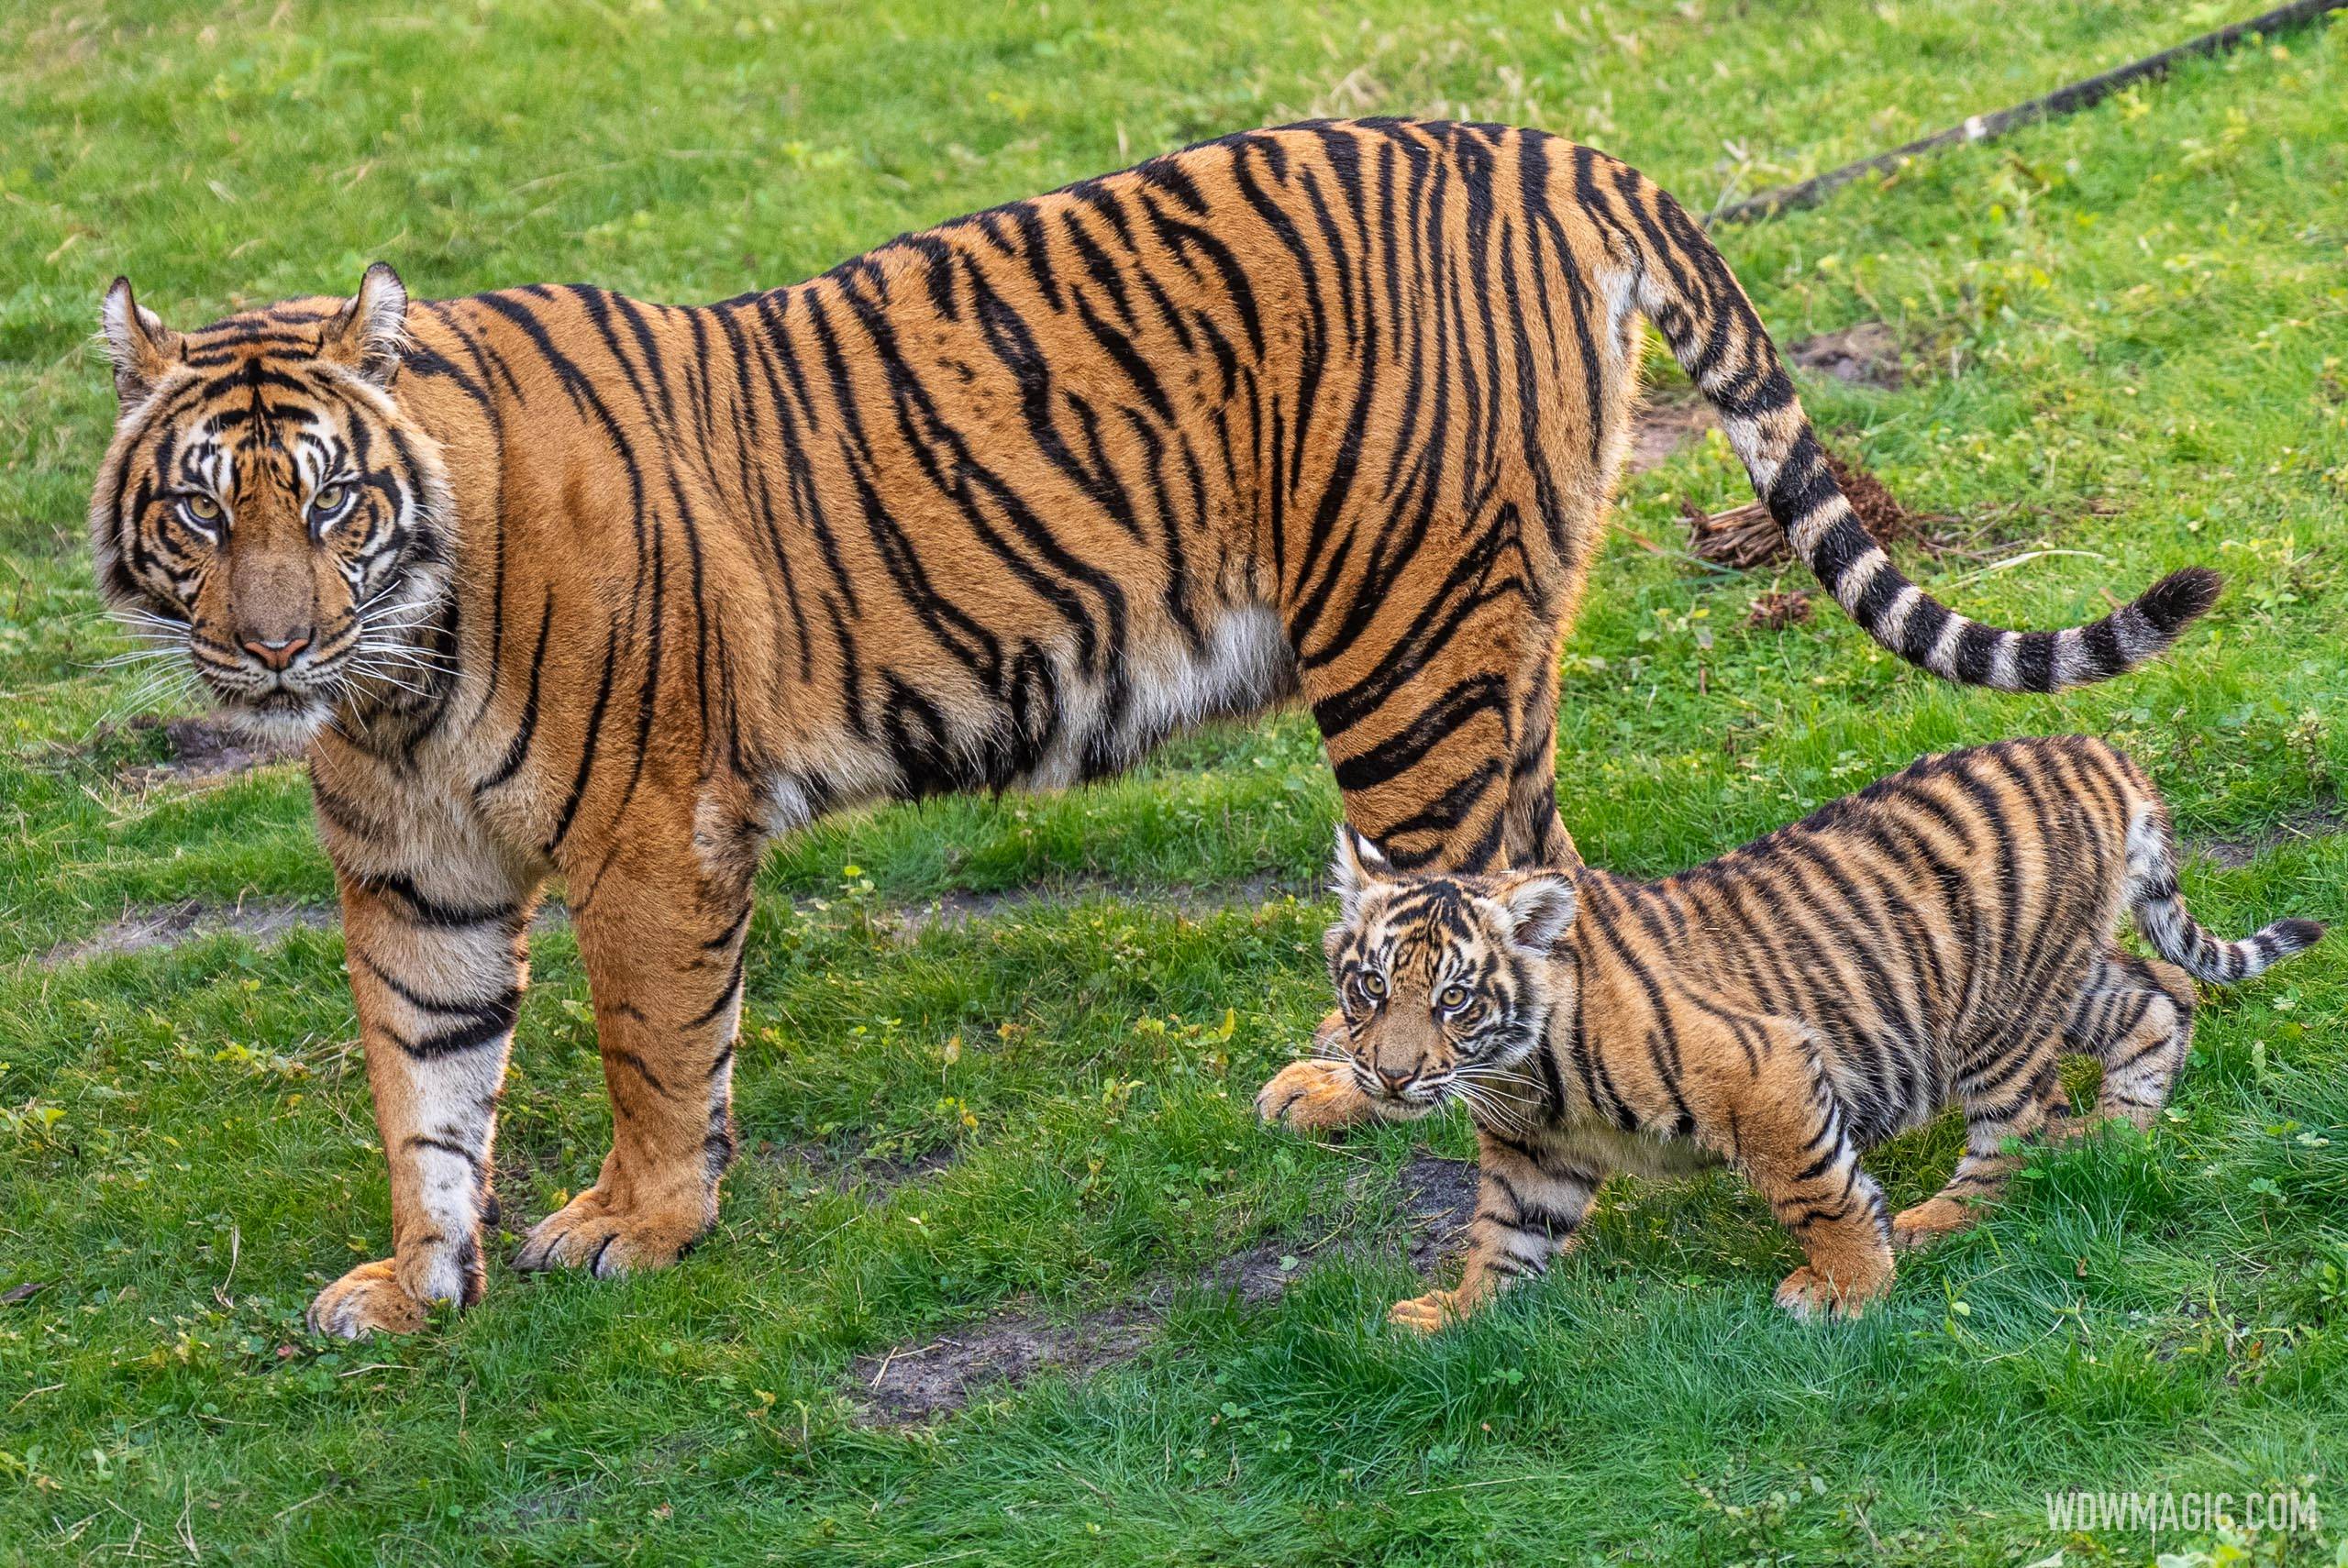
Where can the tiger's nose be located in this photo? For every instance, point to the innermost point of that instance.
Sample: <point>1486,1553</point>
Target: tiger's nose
<point>1397,1082</point>
<point>275,655</point>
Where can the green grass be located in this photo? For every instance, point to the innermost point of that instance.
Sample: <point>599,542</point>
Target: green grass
<point>2126,333</point>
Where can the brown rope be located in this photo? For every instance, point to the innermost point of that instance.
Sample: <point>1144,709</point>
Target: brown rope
<point>2062,101</point>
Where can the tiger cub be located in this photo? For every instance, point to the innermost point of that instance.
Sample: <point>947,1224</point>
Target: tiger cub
<point>1941,937</point>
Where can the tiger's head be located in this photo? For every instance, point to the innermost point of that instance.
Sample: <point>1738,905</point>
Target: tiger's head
<point>266,510</point>
<point>1441,979</point>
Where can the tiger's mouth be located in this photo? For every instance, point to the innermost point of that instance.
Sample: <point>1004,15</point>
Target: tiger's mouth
<point>280,706</point>
<point>284,714</point>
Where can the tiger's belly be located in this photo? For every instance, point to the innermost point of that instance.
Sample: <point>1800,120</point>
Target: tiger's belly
<point>1038,718</point>
<point>1890,1086</point>
<point>1648,1154</point>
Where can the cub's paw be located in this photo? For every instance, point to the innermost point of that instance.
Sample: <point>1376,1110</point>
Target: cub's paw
<point>593,1233</point>
<point>368,1299</point>
<point>1313,1095</point>
<point>1928,1221</point>
<point>1809,1294</point>
<point>1426,1314</point>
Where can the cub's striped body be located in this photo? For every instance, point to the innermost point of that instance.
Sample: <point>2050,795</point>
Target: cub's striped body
<point>1942,937</point>
<point>611,591</point>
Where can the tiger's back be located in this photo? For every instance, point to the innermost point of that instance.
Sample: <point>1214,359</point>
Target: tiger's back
<point>1008,500</point>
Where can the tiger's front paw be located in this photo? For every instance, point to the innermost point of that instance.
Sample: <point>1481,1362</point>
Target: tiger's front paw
<point>595,1233</point>
<point>368,1299</point>
<point>1309,1096</point>
<point>1807,1294</point>
<point>1426,1314</point>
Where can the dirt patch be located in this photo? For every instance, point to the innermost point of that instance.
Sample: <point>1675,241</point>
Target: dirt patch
<point>1866,354</point>
<point>203,751</point>
<point>953,911</point>
<point>2235,853</point>
<point>1438,1201</point>
<point>848,1165</point>
<point>142,930</point>
<point>1439,1198</point>
<point>1775,610</point>
<point>1262,1271</point>
<point>909,1386</point>
<point>558,1504</point>
<point>1660,429</point>
<point>915,1384</point>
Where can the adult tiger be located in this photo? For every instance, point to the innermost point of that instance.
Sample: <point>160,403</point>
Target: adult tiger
<point>561,583</point>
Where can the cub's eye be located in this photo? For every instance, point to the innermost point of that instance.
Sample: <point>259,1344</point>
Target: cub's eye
<point>1374,984</point>
<point>330,500</point>
<point>1452,998</point>
<point>201,510</point>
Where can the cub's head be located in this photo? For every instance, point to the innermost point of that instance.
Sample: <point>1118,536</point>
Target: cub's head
<point>1441,977</point>
<point>266,510</point>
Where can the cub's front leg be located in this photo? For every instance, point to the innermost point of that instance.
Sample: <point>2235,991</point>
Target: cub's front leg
<point>662,938</point>
<point>437,969</point>
<point>1529,1206</point>
<point>1318,1094</point>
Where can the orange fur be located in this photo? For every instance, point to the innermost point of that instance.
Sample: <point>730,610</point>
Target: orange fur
<point>1939,938</point>
<point>617,590</point>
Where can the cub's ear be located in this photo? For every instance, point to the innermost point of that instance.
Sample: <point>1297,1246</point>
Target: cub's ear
<point>372,328</point>
<point>137,343</point>
<point>1542,905</point>
<point>1356,868</point>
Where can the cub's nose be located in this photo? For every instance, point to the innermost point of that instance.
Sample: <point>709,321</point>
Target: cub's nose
<point>1397,1082</point>
<point>278,653</point>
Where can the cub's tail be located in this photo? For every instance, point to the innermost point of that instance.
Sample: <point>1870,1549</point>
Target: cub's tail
<point>2169,926</point>
<point>1684,286</point>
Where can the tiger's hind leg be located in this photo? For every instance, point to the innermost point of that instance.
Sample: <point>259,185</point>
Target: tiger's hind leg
<point>2012,1095</point>
<point>1536,834</point>
<point>1319,1093</point>
<point>1444,751</point>
<point>663,940</point>
<point>2137,1017</point>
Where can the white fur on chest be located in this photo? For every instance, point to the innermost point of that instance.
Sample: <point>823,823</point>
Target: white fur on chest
<point>1242,666</point>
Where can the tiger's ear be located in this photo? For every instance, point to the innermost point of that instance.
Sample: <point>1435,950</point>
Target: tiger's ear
<point>372,328</point>
<point>137,343</point>
<point>1356,869</point>
<point>1542,905</point>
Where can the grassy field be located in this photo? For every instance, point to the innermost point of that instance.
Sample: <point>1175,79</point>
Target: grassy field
<point>2125,339</point>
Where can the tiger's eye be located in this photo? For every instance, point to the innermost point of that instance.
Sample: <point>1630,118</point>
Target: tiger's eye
<point>1374,983</point>
<point>327,499</point>
<point>1453,997</point>
<point>203,508</point>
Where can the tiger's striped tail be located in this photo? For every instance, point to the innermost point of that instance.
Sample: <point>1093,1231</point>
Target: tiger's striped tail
<point>1685,287</point>
<point>2176,935</point>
